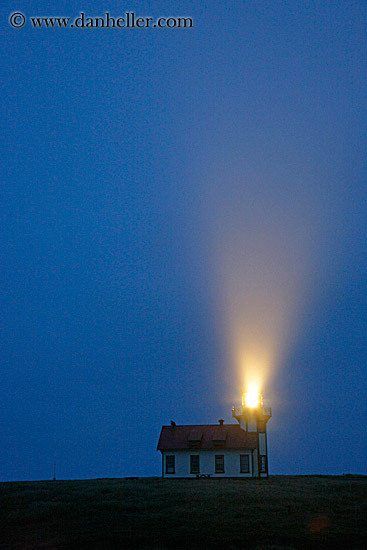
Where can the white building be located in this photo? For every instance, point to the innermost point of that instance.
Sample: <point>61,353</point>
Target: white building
<point>219,450</point>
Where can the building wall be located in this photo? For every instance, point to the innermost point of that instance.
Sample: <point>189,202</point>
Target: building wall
<point>207,463</point>
<point>262,444</point>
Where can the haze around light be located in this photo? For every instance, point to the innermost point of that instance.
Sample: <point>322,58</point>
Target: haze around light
<point>267,226</point>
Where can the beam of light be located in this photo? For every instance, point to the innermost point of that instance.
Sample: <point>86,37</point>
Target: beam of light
<point>262,229</point>
<point>261,280</point>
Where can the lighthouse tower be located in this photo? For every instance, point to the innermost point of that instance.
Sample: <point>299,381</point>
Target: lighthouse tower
<point>253,417</point>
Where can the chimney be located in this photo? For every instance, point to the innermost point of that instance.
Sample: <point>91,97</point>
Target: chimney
<point>221,422</point>
<point>173,423</point>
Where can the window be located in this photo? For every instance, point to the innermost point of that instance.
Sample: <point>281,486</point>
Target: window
<point>195,438</point>
<point>170,464</point>
<point>244,464</point>
<point>262,464</point>
<point>219,464</point>
<point>219,438</point>
<point>195,464</point>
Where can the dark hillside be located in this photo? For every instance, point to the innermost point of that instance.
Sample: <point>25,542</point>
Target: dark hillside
<point>311,512</point>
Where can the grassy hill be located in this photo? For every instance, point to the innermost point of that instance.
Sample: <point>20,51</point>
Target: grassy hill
<point>283,512</point>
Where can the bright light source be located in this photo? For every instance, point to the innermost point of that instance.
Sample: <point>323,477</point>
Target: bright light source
<point>252,400</point>
<point>252,397</point>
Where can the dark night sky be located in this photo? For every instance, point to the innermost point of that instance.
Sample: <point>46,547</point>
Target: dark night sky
<point>167,193</point>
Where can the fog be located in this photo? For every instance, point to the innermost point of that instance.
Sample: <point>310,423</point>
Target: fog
<point>269,219</point>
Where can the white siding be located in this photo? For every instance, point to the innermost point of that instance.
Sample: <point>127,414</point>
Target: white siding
<point>252,425</point>
<point>262,444</point>
<point>243,423</point>
<point>207,463</point>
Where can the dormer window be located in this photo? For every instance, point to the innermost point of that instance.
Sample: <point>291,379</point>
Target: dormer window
<point>219,438</point>
<point>195,438</point>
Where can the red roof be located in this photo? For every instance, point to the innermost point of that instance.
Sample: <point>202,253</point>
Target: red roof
<point>227,436</point>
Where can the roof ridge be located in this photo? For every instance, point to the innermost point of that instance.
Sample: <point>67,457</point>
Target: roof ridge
<point>199,425</point>
<point>178,437</point>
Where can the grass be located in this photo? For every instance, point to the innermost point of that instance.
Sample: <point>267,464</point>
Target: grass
<point>283,512</point>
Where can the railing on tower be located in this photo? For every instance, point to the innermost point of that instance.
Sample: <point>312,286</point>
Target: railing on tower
<point>239,411</point>
<point>267,411</point>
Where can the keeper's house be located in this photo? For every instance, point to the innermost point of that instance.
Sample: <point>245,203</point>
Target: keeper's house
<point>221,450</point>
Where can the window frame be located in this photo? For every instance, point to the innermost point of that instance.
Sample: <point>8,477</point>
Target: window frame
<point>262,464</point>
<point>170,469</point>
<point>195,469</point>
<point>219,464</point>
<point>243,469</point>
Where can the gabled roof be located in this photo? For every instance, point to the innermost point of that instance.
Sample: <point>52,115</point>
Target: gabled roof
<point>226,436</point>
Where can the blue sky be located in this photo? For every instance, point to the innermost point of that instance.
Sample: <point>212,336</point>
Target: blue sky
<point>169,195</point>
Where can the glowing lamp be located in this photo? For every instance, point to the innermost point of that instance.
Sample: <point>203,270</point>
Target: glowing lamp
<point>252,398</point>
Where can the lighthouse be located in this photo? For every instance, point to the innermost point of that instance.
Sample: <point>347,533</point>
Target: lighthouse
<point>237,450</point>
<point>253,417</point>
